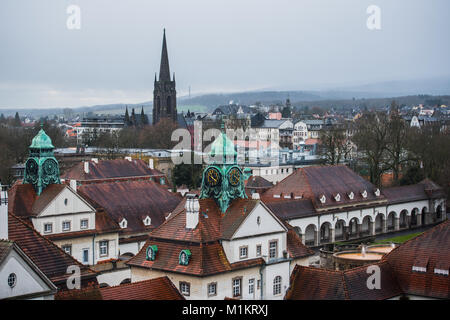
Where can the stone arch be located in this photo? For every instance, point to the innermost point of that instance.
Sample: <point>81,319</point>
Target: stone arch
<point>424,215</point>
<point>325,232</point>
<point>413,218</point>
<point>127,280</point>
<point>391,220</point>
<point>379,221</point>
<point>404,221</point>
<point>339,229</point>
<point>353,227</point>
<point>103,285</point>
<point>126,256</point>
<point>439,213</point>
<point>311,235</point>
<point>366,226</point>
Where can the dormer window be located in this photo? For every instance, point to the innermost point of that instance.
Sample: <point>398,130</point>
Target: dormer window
<point>323,199</point>
<point>277,196</point>
<point>337,197</point>
<point>184,257</point>
<point>124,223</point>
<point>147,221</point>
<point>420,265</point>
<point>151,252</point>
<point>364,194</point>
<point>351,195</point>
<point>377,192</point>
<point>442,268</point>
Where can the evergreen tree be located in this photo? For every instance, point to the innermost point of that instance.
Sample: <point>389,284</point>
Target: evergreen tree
<point>143,117</point>
<point>17,122</point>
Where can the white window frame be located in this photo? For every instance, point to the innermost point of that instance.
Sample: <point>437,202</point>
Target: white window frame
<point>214,292</point>
<point>270,249</point>
<point>185,288</point>
<point>258,250</point>
<point>277,285</point>
<point>82,255</point>
<point>81,223</point>
<point>241,250</point>
<point>66,222</point>
<point>102,246</point>
<point>67,246</point>
<point>251,286</point>
<point>237,287</point>
<point>51,227</point>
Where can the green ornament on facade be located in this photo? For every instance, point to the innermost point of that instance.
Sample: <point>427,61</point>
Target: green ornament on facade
<point>223,180</point>
<point>41,168</point>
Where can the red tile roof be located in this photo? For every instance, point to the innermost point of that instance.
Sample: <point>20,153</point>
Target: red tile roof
<point>309,283</point>
<point>208,256</point>
<point>313,182</point>
<point>257,182</point>
<point>108,169</point>
<point>48,257</point>
<point>154,289</point>
<point>133,200</point>
<point>431,250</point>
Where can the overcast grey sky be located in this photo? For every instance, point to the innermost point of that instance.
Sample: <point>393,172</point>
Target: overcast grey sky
<point>214,46</point>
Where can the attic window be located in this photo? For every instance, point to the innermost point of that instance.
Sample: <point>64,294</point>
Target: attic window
<point>337,197</point>
<point>287,196</point>
<point>151,252</point>
<point>351,195</point>
<point>277,196</point>
<point>184,257</point>
<point>147,221</point>
<point>442,268</point>
<point>297,197</point>
<point>364,194</point>
<point>377,192</point>
<point>323,199</point>
<point>420,265</point>
<point>123,224</point>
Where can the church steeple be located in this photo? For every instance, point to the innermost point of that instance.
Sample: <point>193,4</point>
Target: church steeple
<point>164,93</point>
<point>164,70</point>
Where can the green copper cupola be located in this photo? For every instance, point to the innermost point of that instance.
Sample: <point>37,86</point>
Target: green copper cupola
<point>41,168</point>
<point>223,180</point>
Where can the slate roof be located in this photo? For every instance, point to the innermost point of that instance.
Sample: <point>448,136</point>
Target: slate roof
<point>133,200</point>
<point>257,182</point>
<point>48,257</point>
<point>109,169</point>
<point>291,209</point>
<point>204,242</point>
<point>309,283</point>
<point>154,289</point>
<point>313,182</point>
<point>431,250</point>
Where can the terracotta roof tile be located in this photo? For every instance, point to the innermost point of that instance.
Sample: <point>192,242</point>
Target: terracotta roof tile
<point>430,249</point>
<point>49,258</point>
<point>107,169</point>
<point>132,200</point>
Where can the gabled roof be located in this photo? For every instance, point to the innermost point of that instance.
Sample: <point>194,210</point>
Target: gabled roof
<point>309,283</point>
<point>154,289</point>
<point>133,200</point>
<point>110,169</point>
<point>258,182</point>
<point>431,250</point>
<point>204,242</point>
<point>48,257</point>
<point>313,182</point>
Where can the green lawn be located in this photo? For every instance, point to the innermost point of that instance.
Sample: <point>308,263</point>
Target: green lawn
<point>399,239</point>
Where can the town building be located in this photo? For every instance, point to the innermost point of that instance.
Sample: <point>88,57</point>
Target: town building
<point>222,244</point>
<point>91,127</point>
<point>416,269</point>
<point>331,203</point>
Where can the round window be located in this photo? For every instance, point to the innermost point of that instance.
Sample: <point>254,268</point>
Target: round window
<point>12,280</point>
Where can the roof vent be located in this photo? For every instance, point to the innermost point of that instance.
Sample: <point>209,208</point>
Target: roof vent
<point>323,199</point>
<point>337,197</point>
<point>351,195</point>
<point>124,223</point>
<point>255,195</point>
<point>95,160</point>
<point>86,167</point>
<point>364,194</point>
<point>147,221</point>
<point>377,192</point>
<point>128,158</point>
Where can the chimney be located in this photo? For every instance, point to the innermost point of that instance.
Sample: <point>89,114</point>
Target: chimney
<point>73,185</point>
<point>150,164</point>
<point>192,211</point>
<point>255,195</point>
<point>86,167</point>
<point>3,213</point>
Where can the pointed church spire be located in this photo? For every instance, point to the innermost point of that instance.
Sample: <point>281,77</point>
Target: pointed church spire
<point>164,71</point>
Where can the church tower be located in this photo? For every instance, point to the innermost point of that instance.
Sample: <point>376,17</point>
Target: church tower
<point>41,168</point>
<point>164,93</point>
